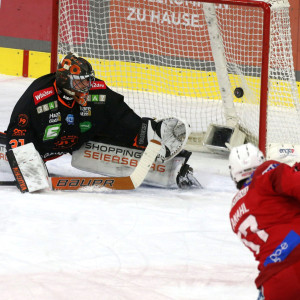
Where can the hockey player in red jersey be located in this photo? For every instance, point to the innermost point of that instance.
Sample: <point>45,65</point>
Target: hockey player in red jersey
<point>61,111</point>
<point>265,214</point>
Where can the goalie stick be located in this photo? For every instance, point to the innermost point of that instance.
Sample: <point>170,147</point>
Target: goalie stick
<point>116,183</point>
<point>8,182</point>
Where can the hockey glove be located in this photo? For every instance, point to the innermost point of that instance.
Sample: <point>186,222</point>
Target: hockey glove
<point>171,132</point>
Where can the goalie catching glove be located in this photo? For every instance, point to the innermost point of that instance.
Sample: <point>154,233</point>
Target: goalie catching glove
<point>173,134</point>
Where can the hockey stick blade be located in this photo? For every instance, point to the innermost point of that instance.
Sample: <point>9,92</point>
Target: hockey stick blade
<point>116,183</point>
<point>8,183</point>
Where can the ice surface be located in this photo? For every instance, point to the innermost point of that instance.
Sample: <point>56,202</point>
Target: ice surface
<point>146,244</point>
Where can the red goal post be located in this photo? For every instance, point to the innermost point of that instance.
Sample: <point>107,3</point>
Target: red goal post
<point>216,63</point>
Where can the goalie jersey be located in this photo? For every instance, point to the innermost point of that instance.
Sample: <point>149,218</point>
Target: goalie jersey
<point>56,124</point>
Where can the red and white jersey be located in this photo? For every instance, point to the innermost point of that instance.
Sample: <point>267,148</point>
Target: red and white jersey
<point>265,214</point>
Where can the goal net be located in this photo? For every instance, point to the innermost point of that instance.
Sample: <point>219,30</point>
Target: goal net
<point>220,62</point>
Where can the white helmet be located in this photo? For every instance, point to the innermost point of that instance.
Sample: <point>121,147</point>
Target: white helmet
<point>243,160</point>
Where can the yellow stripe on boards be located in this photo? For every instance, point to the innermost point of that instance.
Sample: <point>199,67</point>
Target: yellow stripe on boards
<point>150,78</point>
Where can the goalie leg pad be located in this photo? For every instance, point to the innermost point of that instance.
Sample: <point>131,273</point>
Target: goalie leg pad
<point>112,160</point>
<point>28,168</point>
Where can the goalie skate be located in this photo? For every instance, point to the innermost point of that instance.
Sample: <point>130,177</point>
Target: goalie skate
<point>185,178</point>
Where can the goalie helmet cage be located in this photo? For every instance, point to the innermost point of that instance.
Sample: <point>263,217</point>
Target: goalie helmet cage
<point>219,62</point>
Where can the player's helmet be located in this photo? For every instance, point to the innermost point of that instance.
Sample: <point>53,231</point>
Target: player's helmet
<point>75,76</point>
<point>243,160</point>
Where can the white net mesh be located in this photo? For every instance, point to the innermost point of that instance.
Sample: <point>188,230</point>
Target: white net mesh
<point>159,55</point>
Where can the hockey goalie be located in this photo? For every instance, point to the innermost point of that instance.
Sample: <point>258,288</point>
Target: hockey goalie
<point>71,111</point>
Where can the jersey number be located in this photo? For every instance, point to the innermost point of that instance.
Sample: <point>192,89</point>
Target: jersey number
<point>16,143</point>
<point>251,223</point>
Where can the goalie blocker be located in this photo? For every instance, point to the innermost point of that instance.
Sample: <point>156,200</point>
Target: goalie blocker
<point>28,168</point>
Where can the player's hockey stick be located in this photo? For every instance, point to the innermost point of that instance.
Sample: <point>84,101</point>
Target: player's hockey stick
<point>116,183</point>
<point>8,183</point>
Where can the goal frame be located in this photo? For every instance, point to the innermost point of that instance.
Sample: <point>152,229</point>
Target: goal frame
<point>266,7</point>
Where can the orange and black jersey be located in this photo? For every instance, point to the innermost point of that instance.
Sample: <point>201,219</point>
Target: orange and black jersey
<point>56,124</point>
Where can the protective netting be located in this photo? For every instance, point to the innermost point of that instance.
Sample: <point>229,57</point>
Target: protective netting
<point>158,54</point>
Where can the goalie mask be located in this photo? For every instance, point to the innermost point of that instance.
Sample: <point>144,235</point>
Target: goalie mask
<point>243,161</point>
<point>74,76</point>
